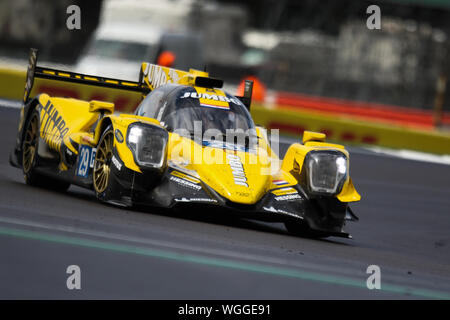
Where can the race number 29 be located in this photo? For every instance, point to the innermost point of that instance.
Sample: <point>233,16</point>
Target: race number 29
<point>84,161</point>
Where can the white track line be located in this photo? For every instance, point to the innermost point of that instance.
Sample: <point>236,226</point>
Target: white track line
<point>10,103</point>
<point>412,155</point>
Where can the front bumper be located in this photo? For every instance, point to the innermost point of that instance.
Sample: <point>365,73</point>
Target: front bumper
<point>167,190</point>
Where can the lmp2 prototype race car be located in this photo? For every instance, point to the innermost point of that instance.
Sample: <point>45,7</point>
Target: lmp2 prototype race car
<point>176,151</point>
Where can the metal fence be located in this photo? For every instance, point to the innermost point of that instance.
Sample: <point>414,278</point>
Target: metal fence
<point>398,65</point>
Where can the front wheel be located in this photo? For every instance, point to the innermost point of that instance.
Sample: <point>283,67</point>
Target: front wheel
<point>103,181</point>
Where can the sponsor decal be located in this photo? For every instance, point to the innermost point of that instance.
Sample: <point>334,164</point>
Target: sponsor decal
<point>116,163</point>
<point>184,176</point>
<point>237,169</point>
<point>94,152</point>
<point>185,183</point>
<point>157,75</point>
<point>288,197</point>
<point>212,98</point>
<point>86,156</point>
<point>195,200</point>
<point>284,191</point>
<point>280,182</point>
<point>272,209</point>
<point>53,126</point>
<point>119,135</point>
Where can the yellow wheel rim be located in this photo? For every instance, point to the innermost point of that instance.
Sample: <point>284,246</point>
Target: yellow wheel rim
<point>29,144</point>
<point>103,162</point>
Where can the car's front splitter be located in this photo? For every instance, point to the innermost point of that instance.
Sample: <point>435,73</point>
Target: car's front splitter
<point>178,190</point>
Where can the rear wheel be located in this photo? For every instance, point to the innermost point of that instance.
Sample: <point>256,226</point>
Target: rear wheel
<point>30,144</point>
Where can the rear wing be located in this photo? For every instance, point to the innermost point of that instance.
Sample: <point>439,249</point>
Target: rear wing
<point>153,76</point>
<point>35,71</point>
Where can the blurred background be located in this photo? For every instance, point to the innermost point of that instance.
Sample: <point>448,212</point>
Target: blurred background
<point>315,64</point>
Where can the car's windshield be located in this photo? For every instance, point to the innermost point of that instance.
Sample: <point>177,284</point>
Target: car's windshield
<point>186,110</point>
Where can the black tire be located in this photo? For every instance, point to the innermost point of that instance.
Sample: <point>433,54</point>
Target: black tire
<point>30,158</point>
<point>302,229</point>
<point>103,182</point>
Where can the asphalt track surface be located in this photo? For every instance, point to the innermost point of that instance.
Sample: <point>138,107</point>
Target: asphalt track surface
<point>404,228</point>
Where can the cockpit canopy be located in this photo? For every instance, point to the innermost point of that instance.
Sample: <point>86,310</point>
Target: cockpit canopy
<point>187,109</point>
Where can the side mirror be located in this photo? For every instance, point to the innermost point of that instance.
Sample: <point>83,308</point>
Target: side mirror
<point>101,106</point>
<point>313,136</point>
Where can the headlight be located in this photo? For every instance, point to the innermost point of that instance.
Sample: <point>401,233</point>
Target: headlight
<point>148,144</point>
<point>326,171</point>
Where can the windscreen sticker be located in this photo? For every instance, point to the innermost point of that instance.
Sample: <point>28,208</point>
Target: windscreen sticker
<point>210,98</point>
<point>207,105</point>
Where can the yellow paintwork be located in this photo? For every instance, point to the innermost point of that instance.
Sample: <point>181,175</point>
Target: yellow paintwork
<point>313,136</point>
<point>398,137</point>
<point>293,161</point>
<point>184,176</point>
<point>155,75</point>
<point>121,123</point>
<point>348,193</point>
<point>95,106</point>
<point>60,118</point>
<point>284,191</point>
<point>242,177</point>
<point>216,92</point>
<point>213,168</point>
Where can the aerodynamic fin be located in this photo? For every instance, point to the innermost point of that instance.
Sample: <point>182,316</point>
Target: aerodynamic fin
<point>154,76</point>
<point>248,91</point>
<point>35,71</point>
<point>32,59</point>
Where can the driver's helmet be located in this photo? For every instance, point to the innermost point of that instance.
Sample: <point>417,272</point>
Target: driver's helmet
<point>217,119</point>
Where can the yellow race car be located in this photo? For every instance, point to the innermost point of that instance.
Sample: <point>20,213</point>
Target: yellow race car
<point>188,143</point>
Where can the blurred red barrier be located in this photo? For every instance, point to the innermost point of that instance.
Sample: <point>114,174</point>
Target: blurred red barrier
<point>384,113</point>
